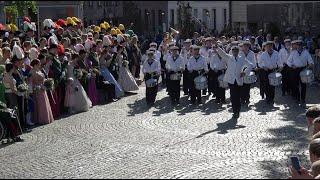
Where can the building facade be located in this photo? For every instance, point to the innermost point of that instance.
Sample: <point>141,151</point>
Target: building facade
<point>153,15</point>
<point>98,11</point>
<point>2,13</point>
<point>59,9</point>
<point>294,15</point>
<point>213,15</point>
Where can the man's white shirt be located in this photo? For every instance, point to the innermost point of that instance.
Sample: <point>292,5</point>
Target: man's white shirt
<point>235,65</point>
<point>197,64</point>
<point>175,65</point>
<point>269,62</point>
<point>300,60</point>
<point>154,67</point>
<point>283,56</point>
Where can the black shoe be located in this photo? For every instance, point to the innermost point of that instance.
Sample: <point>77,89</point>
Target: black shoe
<point>236,115</point>
<point>18,139</point>
<point>26,130</point>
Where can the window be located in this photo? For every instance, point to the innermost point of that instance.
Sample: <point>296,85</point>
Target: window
<point>214,13</point>
<point>153,19</point>
<point>90,3</point>
<point>195,13</point>
<point>172,17</point>
<point>99,3</point>
<point>159,17</point>
<point>146,17</point>
<point>225,16</point>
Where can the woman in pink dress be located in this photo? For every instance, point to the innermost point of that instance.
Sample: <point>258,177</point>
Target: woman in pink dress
<point>43,113</point>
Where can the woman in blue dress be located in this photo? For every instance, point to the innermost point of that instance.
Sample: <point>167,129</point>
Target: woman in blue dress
<point>105,61</point>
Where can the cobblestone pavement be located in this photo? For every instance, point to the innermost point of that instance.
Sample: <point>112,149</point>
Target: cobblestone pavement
<point>125,139</point>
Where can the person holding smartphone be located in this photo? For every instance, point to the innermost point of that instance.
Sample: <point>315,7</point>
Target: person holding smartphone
<point>296,170</point>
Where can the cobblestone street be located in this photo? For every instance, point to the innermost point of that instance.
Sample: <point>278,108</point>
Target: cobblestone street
<point>125,139</point>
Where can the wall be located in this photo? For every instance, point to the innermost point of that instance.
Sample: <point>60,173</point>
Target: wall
<point>200,6</point>
<point>101,10</point>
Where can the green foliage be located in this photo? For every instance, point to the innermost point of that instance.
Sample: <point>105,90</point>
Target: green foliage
<point>185,23</point>
<point>20,8</point>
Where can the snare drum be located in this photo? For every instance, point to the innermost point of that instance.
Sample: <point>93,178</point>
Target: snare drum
<point>275,79</point>
<point>151,83</point>
<point>250,79</point>
<point>307,76</point>
<point>175,76</point>
<point>201,83</point>
<point>222,83</point>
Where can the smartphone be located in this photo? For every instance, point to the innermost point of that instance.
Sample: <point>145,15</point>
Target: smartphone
<point>296,163</point>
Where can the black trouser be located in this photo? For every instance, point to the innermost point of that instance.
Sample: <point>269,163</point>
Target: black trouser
<point>22,107</point>
<point>299,88</point>
<point>214,87</point>
<point>268,89</point>
<point>285,80</point>
<point>151,92</point>
<point>174,89</point>
<point>204,92</point>
<point>163,77</point>
<point>235,94</point>
<point>245,93</point>
<point>261,76</point>
<point>138,71</point>
<point>186,82</point>
<point>195,93</point>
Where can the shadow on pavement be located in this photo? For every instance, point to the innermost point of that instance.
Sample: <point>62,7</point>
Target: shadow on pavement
<point>295,135</point>
<point>223,128</point>
<point>138,107</point>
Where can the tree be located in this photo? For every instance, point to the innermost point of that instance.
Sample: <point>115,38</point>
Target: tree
<point>19,8</point>
<point>185,22</point>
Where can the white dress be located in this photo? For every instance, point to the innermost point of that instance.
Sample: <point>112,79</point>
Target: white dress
<point>126,80</point>
<point>76,97</point>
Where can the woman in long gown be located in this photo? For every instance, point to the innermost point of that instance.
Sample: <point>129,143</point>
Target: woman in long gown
<point>43,113</point>
<point>76,99</point>
<point>92,63</point>
<point>126,80</point>
<point>105,61</point>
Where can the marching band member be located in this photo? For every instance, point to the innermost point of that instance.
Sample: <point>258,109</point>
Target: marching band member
<point>260,72</point>
<point>157,52</point>
<point>268,61</point>
<point>217,68</point>
<point>163,63</point>
<point>298,60</point>
<point>204,51</point>
<point>283,58</point>
<point>237,67</point>
<point>186,54</point>
<point>196,66</point>
<point>250,56</point>
<point>174,65</point>
<point>277,46</point>
<point>151,69</point>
